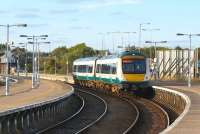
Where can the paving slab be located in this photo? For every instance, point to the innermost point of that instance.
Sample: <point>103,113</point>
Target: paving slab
<point>190,124</point>
<point>21,94</point>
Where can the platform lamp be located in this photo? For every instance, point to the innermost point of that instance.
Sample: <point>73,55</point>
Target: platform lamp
<point>189,55</point>
<point>7,47</point>
<point>34,38</point>
<point>140,32</point>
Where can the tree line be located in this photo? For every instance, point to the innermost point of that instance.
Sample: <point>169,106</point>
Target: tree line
<point>61,59</point>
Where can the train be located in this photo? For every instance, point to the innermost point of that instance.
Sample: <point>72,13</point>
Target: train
<point>125,71</point>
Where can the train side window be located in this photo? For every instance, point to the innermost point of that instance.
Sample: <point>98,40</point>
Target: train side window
<point>113,69</point>
<point>90,69</point>
<point>105,69</point>
<point>98,68</point>
<point>74,68</point>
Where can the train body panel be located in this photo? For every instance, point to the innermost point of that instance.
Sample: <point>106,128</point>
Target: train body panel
<point>117,72</point>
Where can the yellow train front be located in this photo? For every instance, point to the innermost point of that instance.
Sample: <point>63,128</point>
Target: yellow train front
<point>134,71</point>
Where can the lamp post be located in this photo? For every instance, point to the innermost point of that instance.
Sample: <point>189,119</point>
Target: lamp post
<point>102,41</point>
<point>38,67</point>
<point>55,66</point>
<point>34,66</point>
<point>25,45</point>
<point>122,39</point>
<point>7,47</point>
<point>189,54</point>
<point>140,33</point>
<point>151,30</point>
<point>155,57</point>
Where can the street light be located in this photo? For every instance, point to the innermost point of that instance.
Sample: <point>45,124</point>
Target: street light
<point>140,32</point>
<point>155,59</point>
<point>34,38</point>
<point>38,43</point>
<point>189,55</point>
<point>7,57</point>
<point>18,57</point>
<point>128,33</point>
<point>25,57</point>
<point>151,30</point>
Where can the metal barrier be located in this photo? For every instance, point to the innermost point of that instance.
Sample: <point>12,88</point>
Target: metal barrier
<point>177,101</point>
<point>25,118</point>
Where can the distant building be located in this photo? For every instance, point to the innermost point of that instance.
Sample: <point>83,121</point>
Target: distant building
<point>12,63</point>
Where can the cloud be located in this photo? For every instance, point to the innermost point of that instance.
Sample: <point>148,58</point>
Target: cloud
<point>64,11</point>
<point>92,4</point>
<point>34,10</point>
<point>80,28</point>
<point>116,13</point>
<point>3,12</point>
<point>38,25</point>
<point>27,15</point>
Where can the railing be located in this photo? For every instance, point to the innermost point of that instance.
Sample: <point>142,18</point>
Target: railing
<point>176,101</point>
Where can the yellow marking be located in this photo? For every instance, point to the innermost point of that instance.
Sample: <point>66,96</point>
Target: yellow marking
<point>134,77</point>
<point>133,58</point>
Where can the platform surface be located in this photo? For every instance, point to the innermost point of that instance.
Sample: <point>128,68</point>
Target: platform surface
<point>21,94</point>
<point>190,124</point>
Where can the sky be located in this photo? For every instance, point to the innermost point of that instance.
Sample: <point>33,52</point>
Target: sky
<point>68,22</point>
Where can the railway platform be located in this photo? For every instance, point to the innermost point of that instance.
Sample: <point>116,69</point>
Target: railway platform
<point>21,94</point>
<point>190,124</point>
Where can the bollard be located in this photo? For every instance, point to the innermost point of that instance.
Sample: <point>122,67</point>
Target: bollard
<point>8,126</point>
<point>7,86</point>
<point>22,122</point>
<point>15,124</point>
<point>28,120</point>
<point>0,127</point>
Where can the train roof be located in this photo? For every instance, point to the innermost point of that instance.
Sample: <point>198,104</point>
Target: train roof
<point>133,53</point>
<point>125,53</point>
<point>86,59</point>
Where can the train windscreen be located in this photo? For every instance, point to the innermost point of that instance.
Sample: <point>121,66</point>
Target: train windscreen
<point>134,66</point>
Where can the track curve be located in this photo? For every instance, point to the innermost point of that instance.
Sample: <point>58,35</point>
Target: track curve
<point>81,121</point>
<point>121,117</point>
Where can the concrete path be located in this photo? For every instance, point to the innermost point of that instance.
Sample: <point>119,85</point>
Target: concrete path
<point>190,124</point>
<point>22,94</point>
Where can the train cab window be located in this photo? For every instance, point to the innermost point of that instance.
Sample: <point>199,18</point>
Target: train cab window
<point>82,68</point>
<point>134,66</point>
<point>74,68</point>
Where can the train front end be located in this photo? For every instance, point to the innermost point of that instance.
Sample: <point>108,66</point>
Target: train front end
<point>134,71</point>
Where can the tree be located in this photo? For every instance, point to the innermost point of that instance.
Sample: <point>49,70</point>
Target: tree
<point>63,56</point>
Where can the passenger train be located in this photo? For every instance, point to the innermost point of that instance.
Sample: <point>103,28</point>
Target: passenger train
<point>125,71</point>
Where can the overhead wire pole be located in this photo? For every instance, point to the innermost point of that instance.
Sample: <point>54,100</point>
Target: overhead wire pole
<point>189,54</point>
<point>38,67</point>
<point>151,30</point>
<point>102,41</point>
<point>140,33</point>
<point>25,65</point>
<point>113,43</point>
<point>7,49</point>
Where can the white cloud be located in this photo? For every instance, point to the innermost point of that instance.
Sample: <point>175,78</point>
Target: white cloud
<point>106,3</point>
<point>92,4</point>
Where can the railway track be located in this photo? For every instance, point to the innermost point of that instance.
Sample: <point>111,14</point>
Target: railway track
<point>122,115</point>
<point>151,119</point>
<point>92,110</point>
<point>104,112</point>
